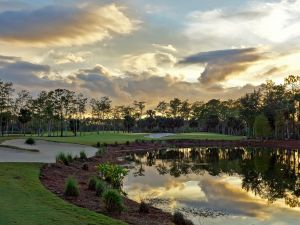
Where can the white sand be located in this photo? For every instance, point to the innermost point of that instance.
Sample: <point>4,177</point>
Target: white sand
<point>47,151</point>
<point>159,135</point>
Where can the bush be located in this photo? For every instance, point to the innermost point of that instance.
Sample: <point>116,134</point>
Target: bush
<point>98,145</point>
<point>71,188</point>
<point>100,188</point>
<point>144,207</point>
<point>30,141</point>
<point>62,158</point>
<point>83,155</point>
<point>85,167</point>
<point>113,201</point>
<point>127,142</point>
<point>113,174</point>
<point>179,219</point>
<point>93,183</point>
<point>116,143</point>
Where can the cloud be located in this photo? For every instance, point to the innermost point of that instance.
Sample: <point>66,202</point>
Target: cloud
<point>26,75</point>
<point>222,64</point>
<point>153,63</point>
<point>257,23</point>
<point>101,81</point>
<point>58,57</point>
<point>170,48</point>
<point>64,26</point>
<point>151,88</point>
<point>274,71</point>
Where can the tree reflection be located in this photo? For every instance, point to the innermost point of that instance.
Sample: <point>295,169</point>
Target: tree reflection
<point>270,174</point>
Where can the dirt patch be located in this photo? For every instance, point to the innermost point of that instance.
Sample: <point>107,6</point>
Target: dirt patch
<point>53,176</point>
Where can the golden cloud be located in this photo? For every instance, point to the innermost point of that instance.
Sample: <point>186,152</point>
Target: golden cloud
<point>64,26</point>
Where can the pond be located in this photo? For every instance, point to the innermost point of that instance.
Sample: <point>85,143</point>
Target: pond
<point>219,186</point>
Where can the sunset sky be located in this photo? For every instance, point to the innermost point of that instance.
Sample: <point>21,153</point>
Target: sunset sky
<point>149,50</point>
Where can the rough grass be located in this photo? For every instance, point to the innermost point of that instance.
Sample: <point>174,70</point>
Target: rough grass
<point>25,201</point>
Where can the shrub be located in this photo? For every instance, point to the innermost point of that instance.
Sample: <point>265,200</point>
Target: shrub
<point>113,174</point>
<point>93,183</point>
<point>100,188</point>
<point>144,207</point>
<point>179,219</point>
<point>85,166</point>
<point>116,143</point>
<point>113,201</point>
<point>62,158</point>
<point>98,145</point>
<point>83,155</point>
<point>71,188</point>
<point>30,141</point>
<point>127,142</point>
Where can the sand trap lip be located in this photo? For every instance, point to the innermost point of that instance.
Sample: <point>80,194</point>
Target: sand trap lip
<point>47,151</point>
<point>159,135</point>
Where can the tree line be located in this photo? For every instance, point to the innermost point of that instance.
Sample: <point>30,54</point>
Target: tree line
<point>271,111</point>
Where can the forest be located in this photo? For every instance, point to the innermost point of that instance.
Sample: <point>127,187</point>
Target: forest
<point>271,111</point>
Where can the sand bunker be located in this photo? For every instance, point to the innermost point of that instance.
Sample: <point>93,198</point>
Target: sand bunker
<point>159,135</point>
<point>47,151</point>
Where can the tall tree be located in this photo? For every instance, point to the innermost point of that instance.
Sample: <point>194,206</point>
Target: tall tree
<point>6,90</point>
<point>262,128</point>
<point>175,105</point>
<point>100,109</point>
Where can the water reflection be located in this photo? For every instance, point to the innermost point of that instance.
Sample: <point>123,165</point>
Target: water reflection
<point>247,186</point>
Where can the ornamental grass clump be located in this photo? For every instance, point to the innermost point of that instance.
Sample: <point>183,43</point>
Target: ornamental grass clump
<point>100,188</point>
<point>71,188</point>
<point>82,155</point>
<point>62,158</point>
<point>92,183</point>
<point>113,201</point>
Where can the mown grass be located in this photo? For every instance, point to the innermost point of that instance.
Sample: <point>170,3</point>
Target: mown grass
<point>25,201</point>
<point>110,138</point>
<point>204,136</point>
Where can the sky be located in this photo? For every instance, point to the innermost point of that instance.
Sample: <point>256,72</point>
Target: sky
<point>149,50</point>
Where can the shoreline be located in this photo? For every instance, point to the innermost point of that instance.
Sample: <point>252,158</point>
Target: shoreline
<point>53,176</point>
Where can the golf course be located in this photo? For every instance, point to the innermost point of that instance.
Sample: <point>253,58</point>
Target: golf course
<point>24,200</point>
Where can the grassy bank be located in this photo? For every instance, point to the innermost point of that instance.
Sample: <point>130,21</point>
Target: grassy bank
<point>25,201</point>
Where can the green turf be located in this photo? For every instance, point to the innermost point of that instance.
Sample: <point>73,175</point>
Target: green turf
<point>109,137</point>
<point>24,201</point>
<point>204,136</point>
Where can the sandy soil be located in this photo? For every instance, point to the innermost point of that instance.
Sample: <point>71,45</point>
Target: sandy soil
<point>47,151</point>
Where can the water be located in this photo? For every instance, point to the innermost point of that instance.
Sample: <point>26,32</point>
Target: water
<point>220,186</point>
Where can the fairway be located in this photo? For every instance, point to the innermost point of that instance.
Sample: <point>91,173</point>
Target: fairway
<point>25,201</point>
<point>109,137</point>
